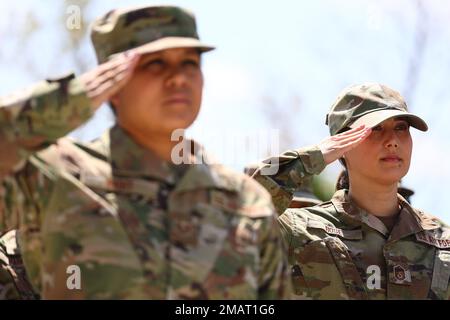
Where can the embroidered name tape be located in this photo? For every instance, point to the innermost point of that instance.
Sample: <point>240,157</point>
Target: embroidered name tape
<point>347,234</point>
<point>431,240</point>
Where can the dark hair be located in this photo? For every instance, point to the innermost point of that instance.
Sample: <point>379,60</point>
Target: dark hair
<point>343,181</point>
<point>112,108</point>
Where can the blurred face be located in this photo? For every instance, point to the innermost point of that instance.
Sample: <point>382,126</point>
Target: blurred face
<point>383,157</point>
<point>163,94</point>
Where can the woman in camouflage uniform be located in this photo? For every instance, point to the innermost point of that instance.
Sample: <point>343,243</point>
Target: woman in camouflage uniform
<point>122,217</point>
<point>367,242</point>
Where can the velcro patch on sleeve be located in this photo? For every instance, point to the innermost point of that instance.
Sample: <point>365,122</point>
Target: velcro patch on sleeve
<point>330,229</point>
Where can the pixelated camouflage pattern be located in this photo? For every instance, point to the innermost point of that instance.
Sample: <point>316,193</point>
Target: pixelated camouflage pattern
<point>291,175</point>
<point>129,28</point>
<point>358,100</point>
<point>334,246</point>
<point>137,227</point>
<point>303,195</point>
<point>28,125</point>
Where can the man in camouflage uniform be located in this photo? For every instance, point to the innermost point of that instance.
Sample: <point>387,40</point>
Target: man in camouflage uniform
<point>338,250</point>
<point>117,213</point>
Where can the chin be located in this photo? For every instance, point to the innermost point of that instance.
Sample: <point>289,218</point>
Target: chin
<point>390,178</point>
<point>179,122</point>
<point>170,128</point>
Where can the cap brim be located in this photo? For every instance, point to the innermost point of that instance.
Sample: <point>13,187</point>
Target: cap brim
<point>170,43</point>
<point>375,118</point>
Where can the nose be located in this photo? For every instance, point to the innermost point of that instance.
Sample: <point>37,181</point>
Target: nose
<point>391,140</point>
<point>177,79</point>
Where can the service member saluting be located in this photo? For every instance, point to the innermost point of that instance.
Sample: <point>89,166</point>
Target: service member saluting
<point>367,242</point>
<point>117,218</point>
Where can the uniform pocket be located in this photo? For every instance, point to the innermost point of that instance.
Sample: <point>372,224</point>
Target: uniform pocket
<point>199,237</point>
<point>441,275</point>
<point>315,273</point>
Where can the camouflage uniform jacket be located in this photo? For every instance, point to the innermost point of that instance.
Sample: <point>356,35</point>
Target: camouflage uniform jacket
<point>134,226</point>
<point>14,283</point>
<point>339,251</point>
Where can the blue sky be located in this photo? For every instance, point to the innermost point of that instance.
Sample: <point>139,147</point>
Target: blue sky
<point>294,55</point>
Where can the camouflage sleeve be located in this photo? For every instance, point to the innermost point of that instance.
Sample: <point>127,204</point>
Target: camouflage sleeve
<point>33,118</point>
<point>8,218</point>
<point>2,210</point>
<point>274,278</point>
<point>285,223</point>
<point>283,174</point>
<point>23,195</point>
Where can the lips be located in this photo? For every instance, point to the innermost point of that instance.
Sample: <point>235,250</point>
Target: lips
<point>391,158</point>
<point>178,99</point>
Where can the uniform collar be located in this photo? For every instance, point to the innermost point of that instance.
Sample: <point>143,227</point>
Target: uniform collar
<point>130,159</point>
<point>410,220</point>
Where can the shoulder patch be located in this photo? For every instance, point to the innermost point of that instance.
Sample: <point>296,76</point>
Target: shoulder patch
<point>430,238</point>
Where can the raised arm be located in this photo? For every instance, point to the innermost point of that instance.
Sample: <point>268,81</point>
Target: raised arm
<point>282,175</point>
<point>35,117</point>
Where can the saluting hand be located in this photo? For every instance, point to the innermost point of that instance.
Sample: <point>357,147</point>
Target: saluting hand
<point>108,78</point>
<point>334,147</point>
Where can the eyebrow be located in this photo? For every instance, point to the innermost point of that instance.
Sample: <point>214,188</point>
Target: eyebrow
<point>401,121</point>
<point>149,57</point>
<point>157,55</point>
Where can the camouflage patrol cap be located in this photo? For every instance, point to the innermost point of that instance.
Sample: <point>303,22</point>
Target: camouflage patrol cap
<point>146,29</point>
<point>369,104</point>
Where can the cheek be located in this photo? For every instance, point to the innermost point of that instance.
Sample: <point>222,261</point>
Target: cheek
<point>197,87</point>
<point>135,109</point>
<point>361,157</point>
<point>144,89</point>
<point>197,91</point>
<point>138,93</point>
<point>407,149</point>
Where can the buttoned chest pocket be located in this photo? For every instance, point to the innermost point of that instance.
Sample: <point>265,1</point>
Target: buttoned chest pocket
<point>323,267</point>
<point>197,239</point>
<point>82,229</point>
<point>214,249</point>
<point>441,275</point>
